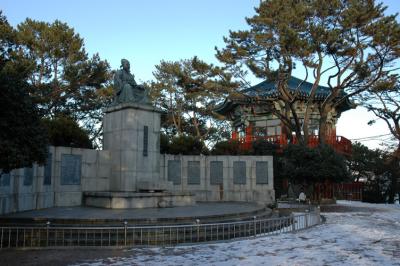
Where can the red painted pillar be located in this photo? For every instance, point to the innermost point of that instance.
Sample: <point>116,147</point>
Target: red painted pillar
<point>284,140</point>
<point>234,135</point>
<point>249,136</point>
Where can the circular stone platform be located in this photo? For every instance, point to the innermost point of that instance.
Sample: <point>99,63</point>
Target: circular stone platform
<point>206,212</point>
<point>137,200</point>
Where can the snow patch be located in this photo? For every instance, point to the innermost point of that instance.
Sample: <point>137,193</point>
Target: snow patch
<point>367,237</point>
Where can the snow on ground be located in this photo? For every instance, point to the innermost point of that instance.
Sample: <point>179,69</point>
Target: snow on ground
<point>369,236</point>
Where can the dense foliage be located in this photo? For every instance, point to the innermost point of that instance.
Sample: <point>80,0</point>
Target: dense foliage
<point>184,144</point>
<point>365,163</point>
<point>63,79</point>
<point>263,147</point>
<point>227,147</point>
<point>187,91</point>
<point>378,170</point>
<point>23,139</point>
<point>384,103</point>
<point>233,147</point>
<point>302,164</point>
<point>65,131</point>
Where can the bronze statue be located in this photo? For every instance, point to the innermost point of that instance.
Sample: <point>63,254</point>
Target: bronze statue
<point>125,87</point>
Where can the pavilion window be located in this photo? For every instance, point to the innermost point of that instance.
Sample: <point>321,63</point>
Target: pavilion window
<point>272,131</point>
<point>241,132</point>
<point>259,132</point>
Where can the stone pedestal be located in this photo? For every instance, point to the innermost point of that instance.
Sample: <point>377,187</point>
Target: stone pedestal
<point>132,135</point>
<point>134,200</point>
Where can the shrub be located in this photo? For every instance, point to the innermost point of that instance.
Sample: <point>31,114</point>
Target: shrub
<point>164,143</point>
<point>310,165</point>
<point>186,145</point>
<point>264,147</point>
<point>23,138</point>
<point>373,196</point>
<point>64,131</point>
<point>228,147</point>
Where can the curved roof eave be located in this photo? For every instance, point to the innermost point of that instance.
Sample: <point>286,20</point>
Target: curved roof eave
<point>266,90</point>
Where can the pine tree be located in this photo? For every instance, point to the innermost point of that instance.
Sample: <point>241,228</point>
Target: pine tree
<point>65,81</point>
<point>384,102</point>
<point>188,90</point>
<point>23,139</point>
<point>351,45</point>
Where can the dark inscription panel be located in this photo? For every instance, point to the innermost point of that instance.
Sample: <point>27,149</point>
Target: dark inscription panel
<point>5,180</point>
<point>71,169</point>
<point>239,172</point>
<point>4,205</point>
<point>174,171</point>
<point>28,176</point>
<point>47,170</point>
<point>216,172</point>
<point>145,140</point>
<point>193,173</point>
<point>261,172</point>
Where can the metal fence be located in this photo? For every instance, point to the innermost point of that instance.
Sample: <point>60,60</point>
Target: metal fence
<point>166,235</point>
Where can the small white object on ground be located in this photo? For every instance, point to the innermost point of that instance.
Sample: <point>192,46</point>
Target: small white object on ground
<point>302,197</point>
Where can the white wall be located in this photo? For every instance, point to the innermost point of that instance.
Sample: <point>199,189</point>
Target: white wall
<point>96,170</point>
<point>228,191</point>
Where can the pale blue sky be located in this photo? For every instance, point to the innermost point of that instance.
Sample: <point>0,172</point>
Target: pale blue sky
<point>146,32</point>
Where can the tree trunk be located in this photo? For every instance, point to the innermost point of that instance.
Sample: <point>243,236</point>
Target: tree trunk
<point>305,130</point>
<point>287,129</point>
<point>297,126</point>
<point>41,72</point>
<point>311,97</point>
<point>323,126</point>
<point>393,180</point>
<point>395,175</point>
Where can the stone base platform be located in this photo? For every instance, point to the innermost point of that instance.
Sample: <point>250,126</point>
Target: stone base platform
<point>205,212</point>
<point>137,200</point>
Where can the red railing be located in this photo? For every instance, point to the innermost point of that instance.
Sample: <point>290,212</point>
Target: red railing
<point>338,143</point>
<point>340,191</point>
<point>349,191</point>
<point>329,190</point>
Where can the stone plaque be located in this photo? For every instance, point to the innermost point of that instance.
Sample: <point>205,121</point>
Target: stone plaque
<point>216,172</point>
<point>3,205</point>
<point>145,140</point>
<point>193,173</point>
<point>71,169</point>
<point>28,176</point>
<point>5,180</point>
<point>261,172</point>
<point>174,171</point>
<point>239,172</point>
<point>47,170</point>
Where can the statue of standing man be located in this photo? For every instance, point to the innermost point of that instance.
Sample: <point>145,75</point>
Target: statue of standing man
<point>125,87</point>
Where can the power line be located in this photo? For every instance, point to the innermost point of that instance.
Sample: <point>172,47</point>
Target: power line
<point>372,137</point>
<point>383,140</point>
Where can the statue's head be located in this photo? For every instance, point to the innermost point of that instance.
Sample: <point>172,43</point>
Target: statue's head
<point>125,64</point>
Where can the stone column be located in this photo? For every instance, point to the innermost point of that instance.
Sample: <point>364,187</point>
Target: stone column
<point>132,135</point>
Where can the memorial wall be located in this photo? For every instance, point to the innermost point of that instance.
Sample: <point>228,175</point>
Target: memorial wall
<point>221,178</point>
<point>70,171</point>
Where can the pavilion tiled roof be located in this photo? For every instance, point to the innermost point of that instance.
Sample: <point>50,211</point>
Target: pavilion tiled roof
<point>267,91</point>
